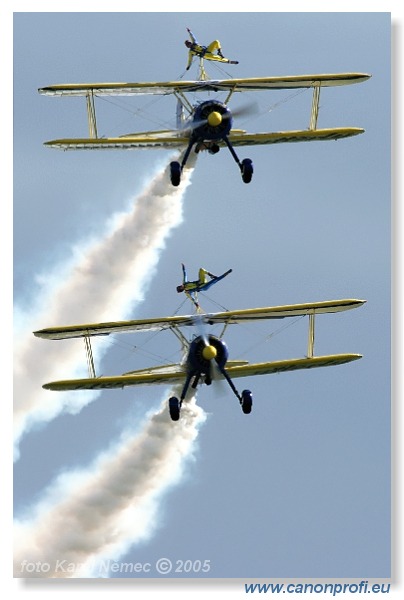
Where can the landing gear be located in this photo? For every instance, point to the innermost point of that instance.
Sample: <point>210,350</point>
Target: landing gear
<point>175,173</point>
<point>176,167</point>
<point>246,166</point>
<point>203,351</point>
<point>246,401</point>
<point>246,170</point>
<point>174,406</point>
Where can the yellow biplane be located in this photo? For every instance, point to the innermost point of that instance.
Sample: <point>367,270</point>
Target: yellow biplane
<point>207,125</point>
<point>204,355</point>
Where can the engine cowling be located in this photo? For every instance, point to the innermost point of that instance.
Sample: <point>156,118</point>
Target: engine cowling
<point>203,350</point>
<point>215,120</point>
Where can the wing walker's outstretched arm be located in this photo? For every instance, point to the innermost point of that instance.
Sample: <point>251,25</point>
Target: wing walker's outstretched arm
<point>191,35</point>
<point>184,274</point>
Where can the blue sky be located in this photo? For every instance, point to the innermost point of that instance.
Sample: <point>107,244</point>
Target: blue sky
<point>301,488</point>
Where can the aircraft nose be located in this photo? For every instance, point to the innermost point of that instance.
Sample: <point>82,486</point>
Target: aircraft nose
<point>215,118</point>
<point>209,352</point>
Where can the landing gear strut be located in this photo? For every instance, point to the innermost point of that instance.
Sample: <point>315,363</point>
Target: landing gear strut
<point>245,166</point>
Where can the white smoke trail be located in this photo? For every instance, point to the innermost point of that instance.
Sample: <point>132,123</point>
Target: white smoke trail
<point>89,517</point>
<point>107,278</point>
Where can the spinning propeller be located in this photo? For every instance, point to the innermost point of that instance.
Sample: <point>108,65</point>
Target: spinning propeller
<point>215,114</point>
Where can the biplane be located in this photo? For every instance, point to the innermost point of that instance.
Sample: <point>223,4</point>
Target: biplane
<point>206,125</point>
<point>204,355</point>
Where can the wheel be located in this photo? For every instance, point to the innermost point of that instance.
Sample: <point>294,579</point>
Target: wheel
<point>246,401</point>
<point>174,408</point>
<point>175,173</point>
<point>247,170</point>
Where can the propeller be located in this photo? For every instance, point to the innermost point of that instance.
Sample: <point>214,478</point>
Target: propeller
<point>209,352</point>
<point>215,118</point>
<point>246,110</point>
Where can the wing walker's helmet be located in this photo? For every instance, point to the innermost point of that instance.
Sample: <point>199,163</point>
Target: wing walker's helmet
<point>180,288</point>
<point>188,43</point>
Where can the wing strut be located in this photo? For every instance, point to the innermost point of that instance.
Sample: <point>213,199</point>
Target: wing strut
<point>92,121</point>
<point>315,107</point>
<point>310,343</point>
<point>89,355</point>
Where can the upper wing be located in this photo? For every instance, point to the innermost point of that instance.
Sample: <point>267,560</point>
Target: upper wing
<point>171,87</point>
<point>233,316</point>
<point>279,312</point>
<point>91,329</point>
<point>293,364</point>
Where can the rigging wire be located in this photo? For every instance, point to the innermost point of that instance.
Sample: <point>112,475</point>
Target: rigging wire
<point>133,349</point>
<point>138,112</point>
<point>270,335</point>
<point>151,117</point>
<point>244,325</point>
<point>214,302</point>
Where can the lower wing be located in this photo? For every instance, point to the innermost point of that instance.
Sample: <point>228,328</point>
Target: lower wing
<point>294,364</point>
<point>177,375</point>
<point>170,140</point>
<point>303,135</point>
<point>145,377</point>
